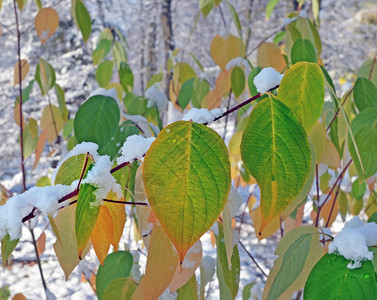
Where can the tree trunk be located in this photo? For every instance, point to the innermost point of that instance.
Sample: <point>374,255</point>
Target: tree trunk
<point>168,38</point>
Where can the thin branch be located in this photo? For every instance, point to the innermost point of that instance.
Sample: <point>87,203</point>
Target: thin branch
<point>53,119</point>
<point>371,69</point>
<point>253,259</point>
<point>337,112</point>
<point>226,118</point>
<point>83,170</point>
<point>333,203</point>
<point>222,15</point>
<point>255,48</point>
<point>125,202</point>
<point>38,260</point>
<point>317,184</point>
<point>118,167</point>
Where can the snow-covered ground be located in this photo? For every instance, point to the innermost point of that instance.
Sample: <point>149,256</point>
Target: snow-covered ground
<point>348,37</point>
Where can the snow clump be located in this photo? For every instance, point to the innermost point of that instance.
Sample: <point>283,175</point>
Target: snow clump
<point>353,241</point>
<point>203,115</point>
<point>156,98</point>
<point>134,148</point>
<point>103,92</point>
<point>267,79</point>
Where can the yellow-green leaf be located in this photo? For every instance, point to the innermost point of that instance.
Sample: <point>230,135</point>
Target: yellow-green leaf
<point>51,121</point>
<point>72,168</point>
<point>303,91</point>
<point>187,179</point>
<point>25,67</point>
<point>120,289</point>
<point>7,247</point>
<point>276,151</point>
<point>225,49</point>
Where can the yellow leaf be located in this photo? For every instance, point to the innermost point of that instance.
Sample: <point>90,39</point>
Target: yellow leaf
<point>39,149</point>
<point>269,55</point>
<point>102,234</point>
<point>17,115</point>
<point>25,68</point>
<point>51,121</point>
<point>318,138</point>
<point>330,155</point>
<point>66,252</point>
<point>161,264</point>
<point>118,215</point>
<point>269,229</point>
<point>184,272</point>
<point>225,49</point>
<point>46,22</point>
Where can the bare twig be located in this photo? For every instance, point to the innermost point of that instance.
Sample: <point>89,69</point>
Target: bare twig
<point>253,259</point>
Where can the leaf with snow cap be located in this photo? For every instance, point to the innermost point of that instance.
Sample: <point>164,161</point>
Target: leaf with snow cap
<point>187,179</point>
<point>303,91</point>
<point>337,281</point>
<point>86,215</point>
<point>72,168</point>
<point>275,150</point>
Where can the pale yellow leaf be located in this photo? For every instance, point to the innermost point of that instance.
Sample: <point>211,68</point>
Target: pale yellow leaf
<point>51,121</point>
<point>46,22</point>
<point>225,49</point>
<point>25,68</point>
<point>269,55</point>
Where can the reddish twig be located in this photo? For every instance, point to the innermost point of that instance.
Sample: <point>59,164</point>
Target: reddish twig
<point>125,202</point>
<point>333,203</point>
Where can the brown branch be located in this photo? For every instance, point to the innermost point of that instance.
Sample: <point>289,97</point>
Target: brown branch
<point>118,167</point>
<point>253,259</point>
<point>317,184</point>
<point>125,202</point>
<point>371,69</point>
<point>333,203</point>
<point>337,112</point>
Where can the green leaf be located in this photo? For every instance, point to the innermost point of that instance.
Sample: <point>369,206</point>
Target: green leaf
<point>71,143</point>
<point>331,279</point>
<point>308,31</point>
<point>237,81</point>
<point>206,6</point>
<point>126,77</point>
<point>97,120</point>
<point>119,54</point>
<point>276,151</point>
<point>228,278</point>
<point>364,94</point>
<point>45,76</point>
<point>102,50</point>
<point>82,17</point>
<point>197,61</point>
<point>303,91</point>
<point>67,129</point>
<point>26,92</point>
<point>246,292</point>
<point>104,73</point>
<point>364,129</point>
<point>61,101</point>
<point>187,179</point>
<point>116,142</point>
<point>235,18</point>
<point>293,251</point>
<point>116,265</point>
<point>86,216</point>
<point>368,70</point>
<point>30,137</point>
<point>200,90</point>
<point>156,78</point>
<point>279,37</point>
<point>359,189</point>
<point>43,181</point>
<point>7,247</point>
<point>270,7</point>
<point>72,168</point>
<point>120,289</point>
<point>185,93</point>
<point>252,88</point>
<point>303,50</point>
<point>189,291</point>
<point>21,4</point>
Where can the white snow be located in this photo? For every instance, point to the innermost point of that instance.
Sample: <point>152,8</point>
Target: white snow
<point>82,148</point>
<point>103,92</point>
<point>267,79</point>
<point>134,148</point>
<point>43,198</point>
<point>156,98</point>
<point>353,241</point>
<point>101,177</point>
<point>238,62</point>
<point>203,115</point>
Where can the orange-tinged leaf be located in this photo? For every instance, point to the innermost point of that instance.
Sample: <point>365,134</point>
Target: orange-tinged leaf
<point>25,68</point>
<point>102,234</point>
<point>39,149</point>
<point>66,251</point>
<point>118,215</point>
<point>19,297</point>
<point>52,121</point>
<point>271,227</point>
<point>161,264</point>
<point>46,22</point>
<point>225,49</point>
<point>184,272</point>
<point>41,243</point>
<point>330,208</point>
<point>223,83</point>
<point>269,55</point>
<point>17,115</point>
<point>212,100</point>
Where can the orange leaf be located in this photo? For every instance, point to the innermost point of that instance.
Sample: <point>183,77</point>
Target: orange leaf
<point>41,243</point>
<point>161,264</point>
<point>46,22</point>
<point>223,83</point>
<point>52,121</point>
<point>39,149</point>
<point>328,208</point>
<point>25,68</point>
<point>269,55</point>
<point>19,297</point>
<point>184,272</point>
<point>225,49</point>
<point>102,234</point>
<point>17,115</point>
<point>212,100</point>
<point>118,215</point>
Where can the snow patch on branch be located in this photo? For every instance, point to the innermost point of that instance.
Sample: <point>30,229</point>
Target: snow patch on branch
<point>353,241</point>
<point>238,62</point>
<point>134,148</point>
<point>267,79</point>
<point>203,115</point>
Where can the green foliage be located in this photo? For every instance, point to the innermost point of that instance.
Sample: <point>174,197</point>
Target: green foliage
<point>7,247</point>
<point>238,81</point>
<point>359,283</point>
<point>303,50</point>
<point>365,94</point>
